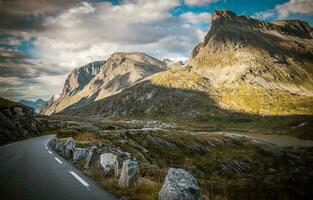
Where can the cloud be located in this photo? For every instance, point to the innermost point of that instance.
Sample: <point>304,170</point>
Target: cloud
<point>199,2</point>
<point>30,88</point>
<point>295,6</point>
<point>21,15</point>
<point>11,41</point>
<point>145,26</point>
<point>264,15</point>
<point>195,18</point>
<point>73,35</point>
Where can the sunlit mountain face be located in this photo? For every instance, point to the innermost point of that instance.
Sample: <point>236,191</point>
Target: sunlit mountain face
<point>42,41</point>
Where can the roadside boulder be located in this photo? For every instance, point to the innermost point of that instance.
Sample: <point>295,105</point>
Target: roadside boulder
<point>69,146</point>
<point>69,143</point>
<point>109,163</point>
<point>129,174</point>
<point>59,146</point>
<point>80,154</point>
<point>179,184</point>
<point>89,157</point>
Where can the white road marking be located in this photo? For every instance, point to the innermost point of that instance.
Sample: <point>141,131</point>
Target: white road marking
<point>79,179</point>
<point>50,152</point>
<point>59,161</point>
<point>47,148</point>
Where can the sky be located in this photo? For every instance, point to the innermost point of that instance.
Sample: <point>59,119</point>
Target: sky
<point>42,41</point>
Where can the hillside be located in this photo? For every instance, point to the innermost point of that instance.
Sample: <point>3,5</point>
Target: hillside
<point>243,67</point>
<point>101,79</point>
<point>17,122</point>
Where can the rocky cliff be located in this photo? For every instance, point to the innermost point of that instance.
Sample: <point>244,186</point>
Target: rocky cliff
<point>17,122</point>
<point>101,79</point>
<point>243,66</point>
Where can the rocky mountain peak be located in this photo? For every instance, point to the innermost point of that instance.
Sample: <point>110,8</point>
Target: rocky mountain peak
<point>81,76</point>
<point>134,57</point>
<point>223,14</point>
<point>100,79</point>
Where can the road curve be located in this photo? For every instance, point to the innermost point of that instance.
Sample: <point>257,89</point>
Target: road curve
<point>29,171</point>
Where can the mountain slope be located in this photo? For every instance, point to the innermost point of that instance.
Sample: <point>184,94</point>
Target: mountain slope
<point>75,83</point>
<point>16,122</point>
<point>101,79</point>
<point>273,61</point>
<point>242,66</point>
<point>33,104</point>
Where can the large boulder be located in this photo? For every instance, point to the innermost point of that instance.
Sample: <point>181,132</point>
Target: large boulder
<point>69,143</point>
<point>129,174</point>
<point>69,146</point>
<point>80,154</point>
<point>179,184</point>
<point>109,163</point>
<point>59,146</point>
<point>90,155</point>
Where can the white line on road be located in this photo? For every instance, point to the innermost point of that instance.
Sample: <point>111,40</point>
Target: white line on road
<point>50,152</point>
<point>47,148</point>
<point>79,179</point>
<point>59,161</point>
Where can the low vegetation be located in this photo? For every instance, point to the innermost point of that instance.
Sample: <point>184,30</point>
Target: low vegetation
<point>225,167</point>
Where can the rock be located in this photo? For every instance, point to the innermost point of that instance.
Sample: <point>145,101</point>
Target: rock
<point>59,146</point>
<point>179,184</point>
<point>129,174</point>
<point>109,163</point>
<point>69,146</point>
<point>236,137</point>
<point>80,154</point>
<point>68,153</point>
<point>69,143</point>
<point>269,148</point>
<point>89,157</point>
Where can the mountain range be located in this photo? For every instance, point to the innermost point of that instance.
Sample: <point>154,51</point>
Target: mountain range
<point>243,65</point>
<point>101,79</point>
<point>33,104</point>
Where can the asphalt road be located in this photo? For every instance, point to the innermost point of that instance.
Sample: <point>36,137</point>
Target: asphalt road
<point>28,171</point>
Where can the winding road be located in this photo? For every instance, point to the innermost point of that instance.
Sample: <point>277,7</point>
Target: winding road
<point>29,170</point>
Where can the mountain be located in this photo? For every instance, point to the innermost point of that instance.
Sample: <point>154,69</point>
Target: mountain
<point>242,66</point>
<point>76,81</point>
<point>33,104</point>
<point>101,79</point>
<point>17,122</point>
<point>273,61</point>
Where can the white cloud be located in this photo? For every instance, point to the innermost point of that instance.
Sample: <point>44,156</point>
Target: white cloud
<point>195,18</point>
<point>295,6</point>
<point>89,32</point>
<point>199,2</point>
<point>263,15</point>
<point>93,31</point>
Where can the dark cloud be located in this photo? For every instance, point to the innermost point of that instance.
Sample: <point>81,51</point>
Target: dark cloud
<point>28,15</point>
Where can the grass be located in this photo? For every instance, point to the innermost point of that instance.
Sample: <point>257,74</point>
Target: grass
<point>204,162</point>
